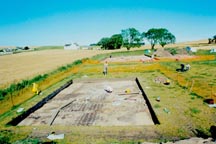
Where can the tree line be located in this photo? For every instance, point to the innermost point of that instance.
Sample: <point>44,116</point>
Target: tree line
<point>211,40</point>
<point>131,37</point>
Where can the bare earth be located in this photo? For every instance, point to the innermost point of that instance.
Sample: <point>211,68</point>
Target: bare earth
<point>87,103</point>
<point>143,58</point>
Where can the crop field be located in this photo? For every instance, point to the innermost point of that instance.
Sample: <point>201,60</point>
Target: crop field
<point>17,67</point>
<point>180,109</point>
<point>22,66</point>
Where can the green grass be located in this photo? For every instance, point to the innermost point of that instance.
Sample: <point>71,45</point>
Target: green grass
<point>187,111</point>
<point>204,52</point>
<point>195,110</point>
<point>118,54</point>
<point>201,70</point>
<point>13,88</point>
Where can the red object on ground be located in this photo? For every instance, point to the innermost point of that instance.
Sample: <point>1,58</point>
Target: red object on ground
<point>209,101</point>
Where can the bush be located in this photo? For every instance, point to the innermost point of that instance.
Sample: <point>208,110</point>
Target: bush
<point>62,68</point>
<point>77,62</point>
<point>28,141</point>
<point>26,48</point>
<point>16,87</point>
<point>2,94</point>
<point>195,110</point>
<point>173,51</point>
<point>4,140</point>
<point>4,137</point>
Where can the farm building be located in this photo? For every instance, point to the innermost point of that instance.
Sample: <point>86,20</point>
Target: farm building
<point>73,46</point>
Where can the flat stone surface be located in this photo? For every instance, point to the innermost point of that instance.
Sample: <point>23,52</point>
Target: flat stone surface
<point>86,102</point>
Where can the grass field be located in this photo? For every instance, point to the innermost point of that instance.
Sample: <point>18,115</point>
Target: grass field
<point>181,111</point>
<point>186,113</point>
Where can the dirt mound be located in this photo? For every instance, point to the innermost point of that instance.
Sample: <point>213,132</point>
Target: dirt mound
<point>162,53</point>
<point>182,51</point>
<point>141,58</point>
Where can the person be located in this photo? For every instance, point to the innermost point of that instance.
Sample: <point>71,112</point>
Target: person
<point>105,70</point>
<point>182,69</point>
<point>187,67</point>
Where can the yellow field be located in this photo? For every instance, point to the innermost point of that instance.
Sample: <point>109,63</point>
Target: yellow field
<point>26,65</point>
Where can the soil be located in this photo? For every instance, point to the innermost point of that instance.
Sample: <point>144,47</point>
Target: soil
<point>88,102</point>
<point>144,58</point>
<point>141,58</point>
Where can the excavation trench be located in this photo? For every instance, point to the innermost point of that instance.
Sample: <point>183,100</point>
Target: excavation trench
<point>99,102</point>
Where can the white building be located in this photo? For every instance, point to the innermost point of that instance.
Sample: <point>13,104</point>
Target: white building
<point>73,46</point>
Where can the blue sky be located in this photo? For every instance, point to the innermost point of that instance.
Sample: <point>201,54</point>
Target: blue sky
<point>56,22</point>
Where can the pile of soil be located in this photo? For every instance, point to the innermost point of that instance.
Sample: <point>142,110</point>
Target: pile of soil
<point>162,53</point>
<point>182,52</point>
<point>141,58</point>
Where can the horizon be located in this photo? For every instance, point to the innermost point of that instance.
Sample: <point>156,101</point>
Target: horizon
<point>46,23</point>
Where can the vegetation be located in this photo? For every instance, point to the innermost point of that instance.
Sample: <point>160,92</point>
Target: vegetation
<point>10,97</point>
<point>131,38</point>
<point>211,40</point>
<point>187,112</point>
<point>21,85</point>
<point>24,66</point>
<point>117,54</point>
<point>165,37</point>
<point>5,137</point>
<point>159,36</point>
<point>48,48</point>
<point>173,51</point>
<point>115,42</point>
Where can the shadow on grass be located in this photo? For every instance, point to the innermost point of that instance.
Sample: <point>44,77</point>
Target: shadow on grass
<point>200,133</point>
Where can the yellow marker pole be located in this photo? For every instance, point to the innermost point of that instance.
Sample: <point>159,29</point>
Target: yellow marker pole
<point>35,88</point>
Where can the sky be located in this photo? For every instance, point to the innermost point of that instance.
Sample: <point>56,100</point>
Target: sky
<point>57,22</point>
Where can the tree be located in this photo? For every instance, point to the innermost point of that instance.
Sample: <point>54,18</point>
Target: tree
<point>159,36</point>
<point>211,40</point>
<point>26,48</point>
<point>165,37</point>
<point>114,42</point>
<point>214,37</point>
<point>104,43</point>
<point>152,36</point>
<point>131,38</point>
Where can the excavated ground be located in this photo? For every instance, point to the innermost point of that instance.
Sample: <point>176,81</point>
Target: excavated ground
<point>86,102</point>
